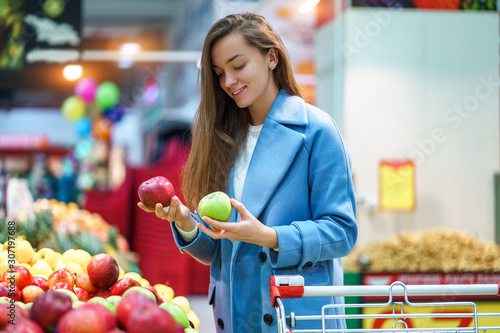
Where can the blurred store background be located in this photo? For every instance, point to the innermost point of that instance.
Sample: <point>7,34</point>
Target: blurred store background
<point>97,96</point>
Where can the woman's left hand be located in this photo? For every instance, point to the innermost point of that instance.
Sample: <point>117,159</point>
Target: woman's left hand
<point>248,229</point>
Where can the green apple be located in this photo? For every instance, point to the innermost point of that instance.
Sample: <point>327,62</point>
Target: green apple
<point>114,300</point>
<point>102,301</point>
<point>5,300</point>
<point>216,205</point>
<point>78,304</point>
<point>141,290</point>
<point>29,305</point>
<point>176,312</point>
<point>71,294</point>
<point>20,304</point>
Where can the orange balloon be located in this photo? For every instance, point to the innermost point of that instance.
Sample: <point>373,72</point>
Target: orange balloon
<point>101,129</point>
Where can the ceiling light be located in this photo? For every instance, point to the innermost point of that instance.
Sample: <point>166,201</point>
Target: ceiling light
<point>130,49</point>
<point>72,72</point>
<point>308,5</point>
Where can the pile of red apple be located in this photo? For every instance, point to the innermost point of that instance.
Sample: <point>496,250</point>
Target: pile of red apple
<point>92,302</point>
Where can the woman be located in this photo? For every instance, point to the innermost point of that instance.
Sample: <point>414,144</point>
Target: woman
<point>283,163</point>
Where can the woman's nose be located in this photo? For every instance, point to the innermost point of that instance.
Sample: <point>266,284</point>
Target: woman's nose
<point>229,79</point>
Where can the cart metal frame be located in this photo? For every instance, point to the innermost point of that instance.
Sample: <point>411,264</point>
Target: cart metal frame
<point>292,286</point>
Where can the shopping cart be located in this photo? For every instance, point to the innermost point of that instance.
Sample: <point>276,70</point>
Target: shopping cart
<point>398,299</point>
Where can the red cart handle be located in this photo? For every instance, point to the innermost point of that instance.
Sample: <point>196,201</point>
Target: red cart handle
<point>286,286</point>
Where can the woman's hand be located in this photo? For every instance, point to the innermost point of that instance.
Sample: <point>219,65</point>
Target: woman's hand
<point>177,212</point>
<point>248,229</point>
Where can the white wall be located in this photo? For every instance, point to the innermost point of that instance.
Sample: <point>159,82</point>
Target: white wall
<point>422,85</point>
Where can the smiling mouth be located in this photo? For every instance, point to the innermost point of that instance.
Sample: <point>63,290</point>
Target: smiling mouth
<point>237,92</point>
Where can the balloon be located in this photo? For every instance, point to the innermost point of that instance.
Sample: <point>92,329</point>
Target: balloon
<point>83,127</point>
<point>114,114</point>
<point>107,95</point>
<point>73,108</point>
<point>83,149</point>
<point>101,129</point>
<point>86,89</point>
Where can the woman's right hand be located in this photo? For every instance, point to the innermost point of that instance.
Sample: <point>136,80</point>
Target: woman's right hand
<point>177,212</point>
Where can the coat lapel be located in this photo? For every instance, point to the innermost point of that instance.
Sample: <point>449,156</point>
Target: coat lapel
<point>279,141</point>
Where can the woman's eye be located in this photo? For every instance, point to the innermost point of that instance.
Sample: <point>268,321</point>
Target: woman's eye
<point>240,67</point>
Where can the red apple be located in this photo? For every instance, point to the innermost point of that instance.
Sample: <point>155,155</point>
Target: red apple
<point>61,275</point>
<point>154,190</point>
<point>128,304</point>
<point>83,319</point>
<point>22,310</point>
<point>7,312</point>
<point>149,318</point>
<point>41,282</point>
<point>122,285</point>
<point>4,289</point>
<point>103,312</point>
<point>62,285</point>
<point>19,275</point>
<point>103,293</point>
<point>82,294</point>
<point>103,270</point>
<point>24,325</point>
<point>159,300</point>
<point>30,293</point>
<point>11,311</point>
<point>83,281</point>
<point>13,291</point>
<point>48,308</point>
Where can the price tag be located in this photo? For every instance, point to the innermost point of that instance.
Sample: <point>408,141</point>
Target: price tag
<point>397,186</point>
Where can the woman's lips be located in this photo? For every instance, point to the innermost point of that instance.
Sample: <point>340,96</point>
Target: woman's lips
<point>238,92</point>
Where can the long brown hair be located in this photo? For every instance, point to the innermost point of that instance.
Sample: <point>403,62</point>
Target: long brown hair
<point>220,126</point>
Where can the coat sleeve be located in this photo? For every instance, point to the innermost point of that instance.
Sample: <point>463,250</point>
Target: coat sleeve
<point>201,248</point>
<point>332,231</point>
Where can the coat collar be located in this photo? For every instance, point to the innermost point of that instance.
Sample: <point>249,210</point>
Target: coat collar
<point>288,110</point>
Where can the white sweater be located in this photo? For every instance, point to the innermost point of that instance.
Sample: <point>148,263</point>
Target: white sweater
<point>243,160</point>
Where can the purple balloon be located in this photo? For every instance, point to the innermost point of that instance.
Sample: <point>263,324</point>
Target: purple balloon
<point>86,89</point>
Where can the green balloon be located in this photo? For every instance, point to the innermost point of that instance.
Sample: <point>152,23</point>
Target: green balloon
<point>107,95</point>
<point>73,108</point>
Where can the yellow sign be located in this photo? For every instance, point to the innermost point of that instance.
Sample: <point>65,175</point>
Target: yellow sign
<point>428,322</point>
<point>397,186</point>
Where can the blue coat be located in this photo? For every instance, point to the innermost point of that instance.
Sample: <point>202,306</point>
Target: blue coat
<point>299,183</point>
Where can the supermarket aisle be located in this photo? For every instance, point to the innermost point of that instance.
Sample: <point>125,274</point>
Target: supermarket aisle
<point>200,305</point>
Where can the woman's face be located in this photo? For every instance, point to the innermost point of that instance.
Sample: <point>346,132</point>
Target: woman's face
<point>244,73</point>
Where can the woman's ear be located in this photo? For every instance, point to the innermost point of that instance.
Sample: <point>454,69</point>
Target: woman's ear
<point>273,58</point>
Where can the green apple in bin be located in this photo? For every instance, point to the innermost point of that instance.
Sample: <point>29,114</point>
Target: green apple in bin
<point>176,312</point>
<point>216,205</point>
